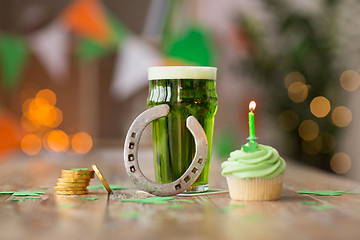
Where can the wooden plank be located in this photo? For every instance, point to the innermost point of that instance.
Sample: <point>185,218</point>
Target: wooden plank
<point>208,217</point>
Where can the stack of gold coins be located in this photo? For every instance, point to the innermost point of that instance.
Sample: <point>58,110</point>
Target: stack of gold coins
<point>74,181</point>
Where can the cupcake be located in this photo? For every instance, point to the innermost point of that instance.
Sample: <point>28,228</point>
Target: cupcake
<point>254,173</point>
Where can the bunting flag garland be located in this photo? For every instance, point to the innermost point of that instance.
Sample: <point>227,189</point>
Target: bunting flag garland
<point>13,53</point>
<point>134,58</point>
<point>194,47</point>
<point>89,49</point>
<point>87,19</point>
<point>51,45</point>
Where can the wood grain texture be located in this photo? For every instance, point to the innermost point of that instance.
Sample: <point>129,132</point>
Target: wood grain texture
<point>208,217</point>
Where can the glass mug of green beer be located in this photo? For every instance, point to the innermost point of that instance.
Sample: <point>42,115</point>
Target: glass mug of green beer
<point>188,91</point>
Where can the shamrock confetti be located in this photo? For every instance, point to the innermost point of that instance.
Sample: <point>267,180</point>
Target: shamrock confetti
<point>210,191</point>
<point>230,207</point>
<point>175,206</point>
<point>309,203</point>
<point>321,207</point>
<point>92,198</point>
<point>322,193</point>
<point>28,193</point>
<point>4,193</point>
<point>16,200</point>
<point>32,198</point>
<point>130,214</point>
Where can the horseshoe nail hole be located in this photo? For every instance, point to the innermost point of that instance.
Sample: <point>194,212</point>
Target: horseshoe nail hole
<point>187,179</point>
<point>177,187</point>
<point>132,169</point>
<point>200,161</point>
<point>131,157</point>
<point>133,134</point>
<point>131,145</point>
<point>194,170</point>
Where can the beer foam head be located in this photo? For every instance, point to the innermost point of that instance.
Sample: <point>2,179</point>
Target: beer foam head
<point>182,72</point>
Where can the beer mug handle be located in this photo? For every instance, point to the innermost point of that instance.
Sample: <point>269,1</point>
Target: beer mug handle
<point>131,157</point>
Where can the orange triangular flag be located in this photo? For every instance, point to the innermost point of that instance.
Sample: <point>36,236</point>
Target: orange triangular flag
<point>87,18</point>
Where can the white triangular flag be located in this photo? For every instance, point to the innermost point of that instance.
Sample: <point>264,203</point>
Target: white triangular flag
<point>130,75</point>
<point>51,46</point>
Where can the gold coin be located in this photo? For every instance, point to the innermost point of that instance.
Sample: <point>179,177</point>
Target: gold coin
<point>68,180</point>
<point>77,173</point>
<point>60,184</point>
<point>59,188</point>
<point>102,179</point>
<point>77,192</point>
<point>76,176</point>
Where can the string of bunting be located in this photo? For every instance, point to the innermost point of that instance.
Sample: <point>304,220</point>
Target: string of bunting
<point>99,33</point>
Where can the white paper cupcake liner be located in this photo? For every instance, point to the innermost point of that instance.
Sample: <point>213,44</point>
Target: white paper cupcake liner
<point>255,189</point>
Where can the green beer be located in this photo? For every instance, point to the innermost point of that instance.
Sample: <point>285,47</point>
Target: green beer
<point>188,91</point>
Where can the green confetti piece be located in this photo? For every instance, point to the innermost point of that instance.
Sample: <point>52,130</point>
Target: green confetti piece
<point>230,207</point>
<point>92,199</point>
<point>182,200</point>
<point>32,198</point>
<point>255,218</point>
<point>43,188</point>
<point>305,192</point>
<point>130,214</point>
<point>309,203</point>
<point>175,206</point>
<point>322,193</point>
<point>79,169</point>
<point>321,207</point>
<point>223,210</point>
<point>6,193</point>
<point>16,200</point>
<point>66,206</point>
<point>28,193</point>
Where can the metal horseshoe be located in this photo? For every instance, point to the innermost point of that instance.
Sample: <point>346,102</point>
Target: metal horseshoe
<point>131,157</point>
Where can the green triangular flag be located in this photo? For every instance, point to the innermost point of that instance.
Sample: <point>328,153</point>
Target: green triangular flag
<point>195,46</point>
<point>13,52</point>
<point>88,49</point>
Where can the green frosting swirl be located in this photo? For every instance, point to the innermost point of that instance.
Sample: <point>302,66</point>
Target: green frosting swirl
<point>265,163</point>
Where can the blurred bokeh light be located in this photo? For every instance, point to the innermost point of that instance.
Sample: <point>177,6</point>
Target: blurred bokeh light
<point>350,80</point>
<point>320,106</point>
<point>81,142</point>
<point>340,163</point>
<point>341,116</point>
<point>308,130</point>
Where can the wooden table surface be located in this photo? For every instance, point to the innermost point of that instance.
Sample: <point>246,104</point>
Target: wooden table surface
<point>208,217</point>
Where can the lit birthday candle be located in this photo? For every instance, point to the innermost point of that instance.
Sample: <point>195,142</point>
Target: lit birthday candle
<point>252,107</point>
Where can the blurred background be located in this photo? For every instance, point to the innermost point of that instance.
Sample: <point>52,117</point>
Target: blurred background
<point>73,74</point>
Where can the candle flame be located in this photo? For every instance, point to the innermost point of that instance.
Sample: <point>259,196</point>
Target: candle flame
<point>252,105</point>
